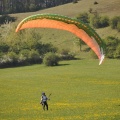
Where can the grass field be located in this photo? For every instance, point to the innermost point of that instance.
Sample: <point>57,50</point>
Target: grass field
<point>81,90</point>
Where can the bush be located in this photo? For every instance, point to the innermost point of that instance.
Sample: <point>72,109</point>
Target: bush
<point>104,21</point>
<point>45,48</point>
<point>24,57</point>
<point>13,57</point>
<point>99,22</point>
<point>95,3</point>
<point>83,17</point>
<point>22,60</point>
<point>1,54</point>
<point>90,10</point>
<point>51,59</point>
<point>9,60</point>
<point>4,47</point>
<point>118,26</point>
<point>112,49</point>
<point>5,61</point>
<point>117,52</point>
<point>34,57</point>
<point>94,20</point>
<point>5,18</point>
<point>66,55</point>
<point>114,22</point>
<point>25,53</point>
<point>75,1</point>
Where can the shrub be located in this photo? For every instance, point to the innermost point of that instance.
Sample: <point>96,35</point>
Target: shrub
<point>34,57</point>
<point>118,26</point>
<point>90,10</point>
<point>99,21</point>
<point>104,21</point>
<point>75,1</point>
<point>95,3</point>
<point>13,57</point>
<point>66,55</point>
<point>112,49</point>
<point>5,61</point>
<point>4,47</point>
<point>45,48</point>
<point>94,21</point>
<point>22,60</point>
<point>117,52</point>
<point>24,57</point>
<point>27,57</point>
<point>5,18</point>
<point>51,59</point>
<point>1,54</point>
<point>64,52</point>
<point>83,17</point>
<point>115,21</point>
<point>25,53</point>
<point>9,60</point>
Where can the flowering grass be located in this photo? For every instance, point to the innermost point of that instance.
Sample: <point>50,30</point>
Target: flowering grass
<point>81,90</point>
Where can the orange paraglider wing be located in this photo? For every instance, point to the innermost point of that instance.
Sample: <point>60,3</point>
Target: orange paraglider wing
<point>80,29</point>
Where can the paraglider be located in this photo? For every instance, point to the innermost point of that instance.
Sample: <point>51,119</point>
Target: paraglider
<point>77,27</point>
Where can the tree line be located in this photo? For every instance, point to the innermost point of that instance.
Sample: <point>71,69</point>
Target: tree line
<point>17,6</point>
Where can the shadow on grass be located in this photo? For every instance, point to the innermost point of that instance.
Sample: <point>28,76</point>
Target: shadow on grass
<point>62,65</point>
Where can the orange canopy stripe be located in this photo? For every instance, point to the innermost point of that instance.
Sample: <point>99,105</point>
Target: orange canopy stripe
<point>49,23</point>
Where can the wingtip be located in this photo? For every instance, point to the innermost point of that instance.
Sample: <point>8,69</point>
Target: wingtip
<point>101,59</point>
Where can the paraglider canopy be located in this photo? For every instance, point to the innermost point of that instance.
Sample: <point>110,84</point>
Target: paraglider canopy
<point>77,27</point>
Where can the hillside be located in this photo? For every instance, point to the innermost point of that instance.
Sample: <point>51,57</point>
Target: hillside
<point>64,39</point>
<point>110,8</point>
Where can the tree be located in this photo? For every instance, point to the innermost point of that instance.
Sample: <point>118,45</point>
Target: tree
<point>112,44</point>
<point>32,7</point>
<point>79,43</point>
<point>15,6</point>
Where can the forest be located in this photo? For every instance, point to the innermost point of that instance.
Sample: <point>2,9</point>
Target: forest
<point>20,6</point>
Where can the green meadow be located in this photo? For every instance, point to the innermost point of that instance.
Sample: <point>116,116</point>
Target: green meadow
<point>80,90</point>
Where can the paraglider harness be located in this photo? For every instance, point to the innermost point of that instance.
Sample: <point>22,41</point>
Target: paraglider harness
<point>44,99</point>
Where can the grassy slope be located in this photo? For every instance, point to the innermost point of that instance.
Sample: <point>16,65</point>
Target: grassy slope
<point>104,7</point>
<point>81,90</point>
<point>61,38</point>
<point>110,8</point>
